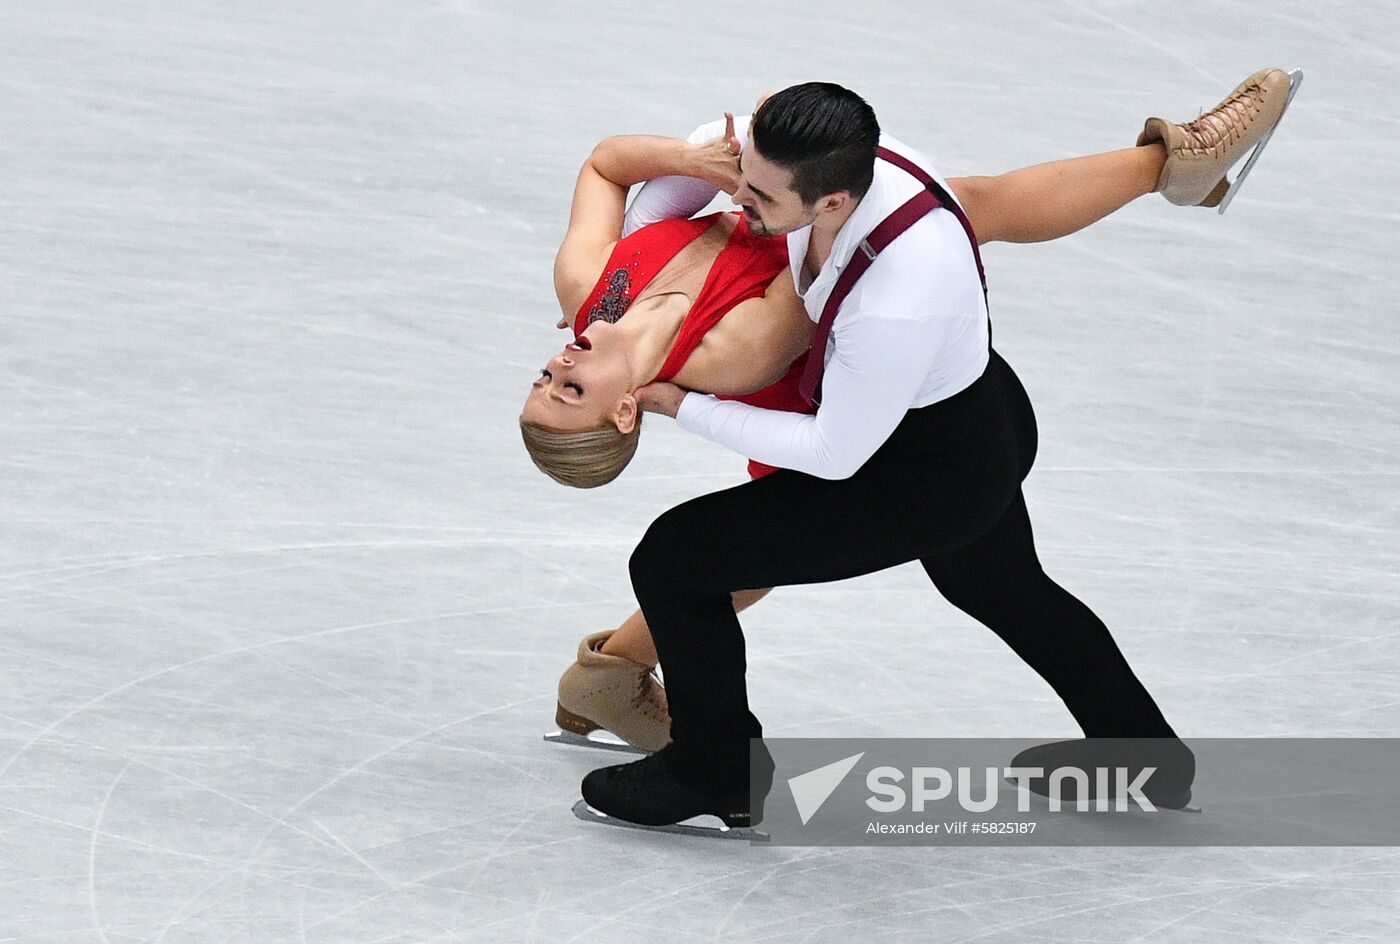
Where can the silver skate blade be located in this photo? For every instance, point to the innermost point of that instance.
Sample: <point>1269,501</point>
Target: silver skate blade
<point>1070,807</point>
<point>690,827</point>
<point>1295,81</point>
<point>604,740</point>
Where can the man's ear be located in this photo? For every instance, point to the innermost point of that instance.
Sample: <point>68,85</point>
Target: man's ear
<point>625,416</point>
<point>834,202</point>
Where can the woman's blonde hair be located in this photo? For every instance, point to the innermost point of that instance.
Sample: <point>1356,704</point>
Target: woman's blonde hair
<point>584,458</point>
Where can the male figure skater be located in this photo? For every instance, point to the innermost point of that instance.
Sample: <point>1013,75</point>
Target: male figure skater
<point>917,451</point>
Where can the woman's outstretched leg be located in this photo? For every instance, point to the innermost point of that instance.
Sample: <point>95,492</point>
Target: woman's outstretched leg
<point>1186,162</point>
<point>1047,201</point>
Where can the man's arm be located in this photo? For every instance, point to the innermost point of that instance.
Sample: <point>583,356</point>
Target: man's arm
<point>863,399</point>
<point>681,197</point>
<point>885,343</point>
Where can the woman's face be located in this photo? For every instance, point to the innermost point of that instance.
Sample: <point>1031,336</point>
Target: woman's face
<point>587,384</point>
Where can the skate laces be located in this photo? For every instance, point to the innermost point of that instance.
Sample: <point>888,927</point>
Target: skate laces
<point>1227,121</point>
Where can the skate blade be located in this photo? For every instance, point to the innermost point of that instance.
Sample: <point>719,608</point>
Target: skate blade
<point>1295,81</point>
<point>1070,807</point>
<point>690,827</point>
<point>603,740</point>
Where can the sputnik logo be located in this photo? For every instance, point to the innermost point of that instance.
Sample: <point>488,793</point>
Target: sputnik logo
<point>814,788</point>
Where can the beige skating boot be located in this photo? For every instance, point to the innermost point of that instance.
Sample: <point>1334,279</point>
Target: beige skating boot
<point>1200,152</point>
<point>601,693</point>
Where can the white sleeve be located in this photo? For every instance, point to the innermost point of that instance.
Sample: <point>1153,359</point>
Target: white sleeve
<point>885,343</point>
<point>669,198</point>
<point>865,393</point>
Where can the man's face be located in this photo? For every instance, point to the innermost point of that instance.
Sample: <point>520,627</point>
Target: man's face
<point>771,206</point>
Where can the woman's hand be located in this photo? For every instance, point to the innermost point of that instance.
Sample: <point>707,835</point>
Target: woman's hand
<point>717,160</point>
<point>660,398</point>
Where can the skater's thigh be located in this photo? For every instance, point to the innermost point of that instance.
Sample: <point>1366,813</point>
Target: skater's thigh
<point>790,528</point>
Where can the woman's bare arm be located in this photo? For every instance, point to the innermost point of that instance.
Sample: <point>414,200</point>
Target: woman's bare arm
<point>600,197</point>
<point>753,345</point>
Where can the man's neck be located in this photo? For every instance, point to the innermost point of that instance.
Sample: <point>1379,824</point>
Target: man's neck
<point>824,231</point>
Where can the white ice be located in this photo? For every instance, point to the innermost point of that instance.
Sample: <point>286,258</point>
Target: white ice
<point>283,602</point>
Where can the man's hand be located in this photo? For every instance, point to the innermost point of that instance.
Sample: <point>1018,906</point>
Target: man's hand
<point>717,161</point>
<point>660,398</point>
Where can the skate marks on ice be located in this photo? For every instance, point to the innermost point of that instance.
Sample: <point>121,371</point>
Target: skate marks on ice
<point>246,348</point>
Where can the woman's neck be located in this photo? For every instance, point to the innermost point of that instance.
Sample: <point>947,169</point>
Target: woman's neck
<point>653,322</point>
<point>650,330</point>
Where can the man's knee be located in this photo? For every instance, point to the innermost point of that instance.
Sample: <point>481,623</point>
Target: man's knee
<point>660,559</point>
<point>684,553</point>
<point>988,592</point>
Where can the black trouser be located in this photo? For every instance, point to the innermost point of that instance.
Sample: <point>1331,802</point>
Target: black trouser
<point>944,489</point>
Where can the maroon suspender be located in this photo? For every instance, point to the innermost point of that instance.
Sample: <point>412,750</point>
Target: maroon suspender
<point>880,237</point>
<point>947,202</point>
<point>925,201</point>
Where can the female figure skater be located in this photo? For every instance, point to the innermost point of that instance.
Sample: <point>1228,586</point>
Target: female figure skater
<point>710,307</point>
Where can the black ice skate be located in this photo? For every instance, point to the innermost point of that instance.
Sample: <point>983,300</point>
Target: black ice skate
<point>646,794</point>
<point>1168,787</point>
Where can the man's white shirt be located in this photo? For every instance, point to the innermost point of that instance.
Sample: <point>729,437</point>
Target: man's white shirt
<point>912,332</point>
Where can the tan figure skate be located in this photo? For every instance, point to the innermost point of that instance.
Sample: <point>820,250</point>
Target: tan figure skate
<point>610,702</point>
<point>1201,152</point>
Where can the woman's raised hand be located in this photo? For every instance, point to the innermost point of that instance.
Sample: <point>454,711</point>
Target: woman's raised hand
<point>718,159</point>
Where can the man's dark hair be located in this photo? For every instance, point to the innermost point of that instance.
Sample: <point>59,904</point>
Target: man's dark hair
<point>824,134</point>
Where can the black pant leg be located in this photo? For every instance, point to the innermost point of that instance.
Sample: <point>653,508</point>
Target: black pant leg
<point>944,489</point>
<point>998,580</point>
<point>943,478</point>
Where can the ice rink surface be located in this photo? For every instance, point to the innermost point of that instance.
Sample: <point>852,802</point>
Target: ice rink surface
<point>283,602</point>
